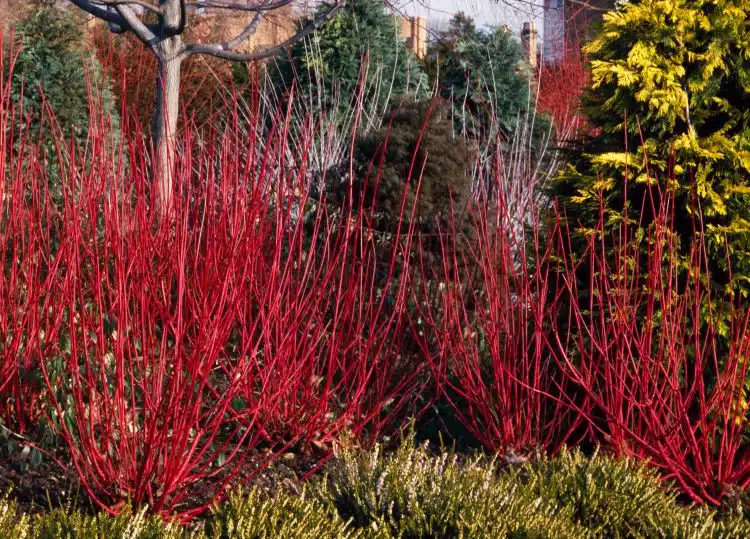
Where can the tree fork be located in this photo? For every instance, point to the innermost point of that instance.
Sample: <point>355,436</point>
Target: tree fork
<point>164,38</point>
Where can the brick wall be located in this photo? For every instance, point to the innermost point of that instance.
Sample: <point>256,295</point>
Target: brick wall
<point>217,27</point>
<point>11,11</point>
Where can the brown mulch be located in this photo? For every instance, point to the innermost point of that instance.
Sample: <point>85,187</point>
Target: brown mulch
<point>37,489</point>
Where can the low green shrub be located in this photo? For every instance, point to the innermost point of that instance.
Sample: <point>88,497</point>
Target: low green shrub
<point>244,515</point>
<point>13,525</point>
<point>73,524</point>
<point>399,186</point>
<point>619,498</point>
<point>417,494</point>
<point>253,515</point>
<point>414,492</point>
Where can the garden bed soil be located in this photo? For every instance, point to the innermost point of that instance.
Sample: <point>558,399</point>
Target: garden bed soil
<point>37,489</point>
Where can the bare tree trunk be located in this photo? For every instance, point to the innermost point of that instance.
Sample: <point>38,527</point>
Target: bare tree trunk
<point>164,125</point>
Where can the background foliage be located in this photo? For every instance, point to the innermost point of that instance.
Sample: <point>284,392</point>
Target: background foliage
<point>54,72</point>
<point>669,104</point>
<point>328,68</point>
<point>484,74</point>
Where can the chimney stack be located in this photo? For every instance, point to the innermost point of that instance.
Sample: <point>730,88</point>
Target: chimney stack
<point>414,32</point>
<point>529,40</point>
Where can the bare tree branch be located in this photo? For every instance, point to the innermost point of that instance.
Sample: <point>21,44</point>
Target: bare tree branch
<point>251,28</point>
<point>138,27</point>
<point>222,51</point>
<point>245,34</point>
<point>100,12</point>
<point>173,20</point>
<point>253,8</point>
<point>142,3</point>
<point>165,39</point>
<point>119,16</point>
<point>116,28</point>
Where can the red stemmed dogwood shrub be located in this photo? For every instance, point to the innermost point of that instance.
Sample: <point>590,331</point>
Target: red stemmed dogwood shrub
<point>645,349</point>
<point>325,330</point>
<point>24,239</point>
<point>561,86</point>
<point>488,320</point>
<point>171,349</point>
<point>148,401</point>
<point>23,316</point>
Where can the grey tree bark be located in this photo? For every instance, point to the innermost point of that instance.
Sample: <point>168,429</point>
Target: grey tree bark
<point>164,126</point>
<point>164,120</point>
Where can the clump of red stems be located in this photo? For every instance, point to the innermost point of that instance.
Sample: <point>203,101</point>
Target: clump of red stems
<point>645,349</point>
<point>561,87</point>
<point>175,349</point>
